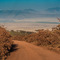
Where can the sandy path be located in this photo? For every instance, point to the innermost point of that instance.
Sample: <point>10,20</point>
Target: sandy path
<point>27,51</point>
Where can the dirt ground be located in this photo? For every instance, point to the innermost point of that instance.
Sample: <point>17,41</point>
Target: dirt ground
<point>27,51</point>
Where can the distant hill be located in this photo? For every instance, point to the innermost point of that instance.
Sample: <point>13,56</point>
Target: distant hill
<point>26,13</point>
<point>8,15</point>
<point>17,13</point>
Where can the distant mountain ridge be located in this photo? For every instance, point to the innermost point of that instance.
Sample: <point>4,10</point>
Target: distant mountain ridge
<point>55,9</point>
<point>26,13</point>
<point>8,15</point>
<point>16,13</point>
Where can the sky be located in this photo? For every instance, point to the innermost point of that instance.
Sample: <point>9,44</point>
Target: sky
<point>25,9</point>
<point>28,4</point>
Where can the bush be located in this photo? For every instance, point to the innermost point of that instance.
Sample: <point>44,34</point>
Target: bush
<point>43,37</point>
<point>5,43</point>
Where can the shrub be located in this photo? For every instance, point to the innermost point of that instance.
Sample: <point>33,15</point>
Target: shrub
<point>5,43</point>
<point>43,37</point>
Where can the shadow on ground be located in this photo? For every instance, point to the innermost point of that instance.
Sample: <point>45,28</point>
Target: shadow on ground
<point>14,48</point>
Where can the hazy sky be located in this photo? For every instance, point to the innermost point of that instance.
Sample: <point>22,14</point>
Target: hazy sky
<point>28,4</point>
<point>15,10</point>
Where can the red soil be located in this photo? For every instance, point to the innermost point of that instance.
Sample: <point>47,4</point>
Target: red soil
<point>27,51</point>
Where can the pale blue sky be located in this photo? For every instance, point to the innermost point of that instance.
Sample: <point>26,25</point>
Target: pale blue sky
<point>28,4</point>
<point>26,9</point>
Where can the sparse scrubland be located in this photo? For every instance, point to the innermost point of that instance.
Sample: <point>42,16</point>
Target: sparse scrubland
<point>19,32</point>
<point>45,38</point>
<point>5,43</point>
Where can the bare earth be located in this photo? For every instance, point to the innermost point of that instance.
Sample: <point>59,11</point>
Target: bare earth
<point>27,51</point>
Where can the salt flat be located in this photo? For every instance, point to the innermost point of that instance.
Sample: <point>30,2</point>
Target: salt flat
<point>28,26</point>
